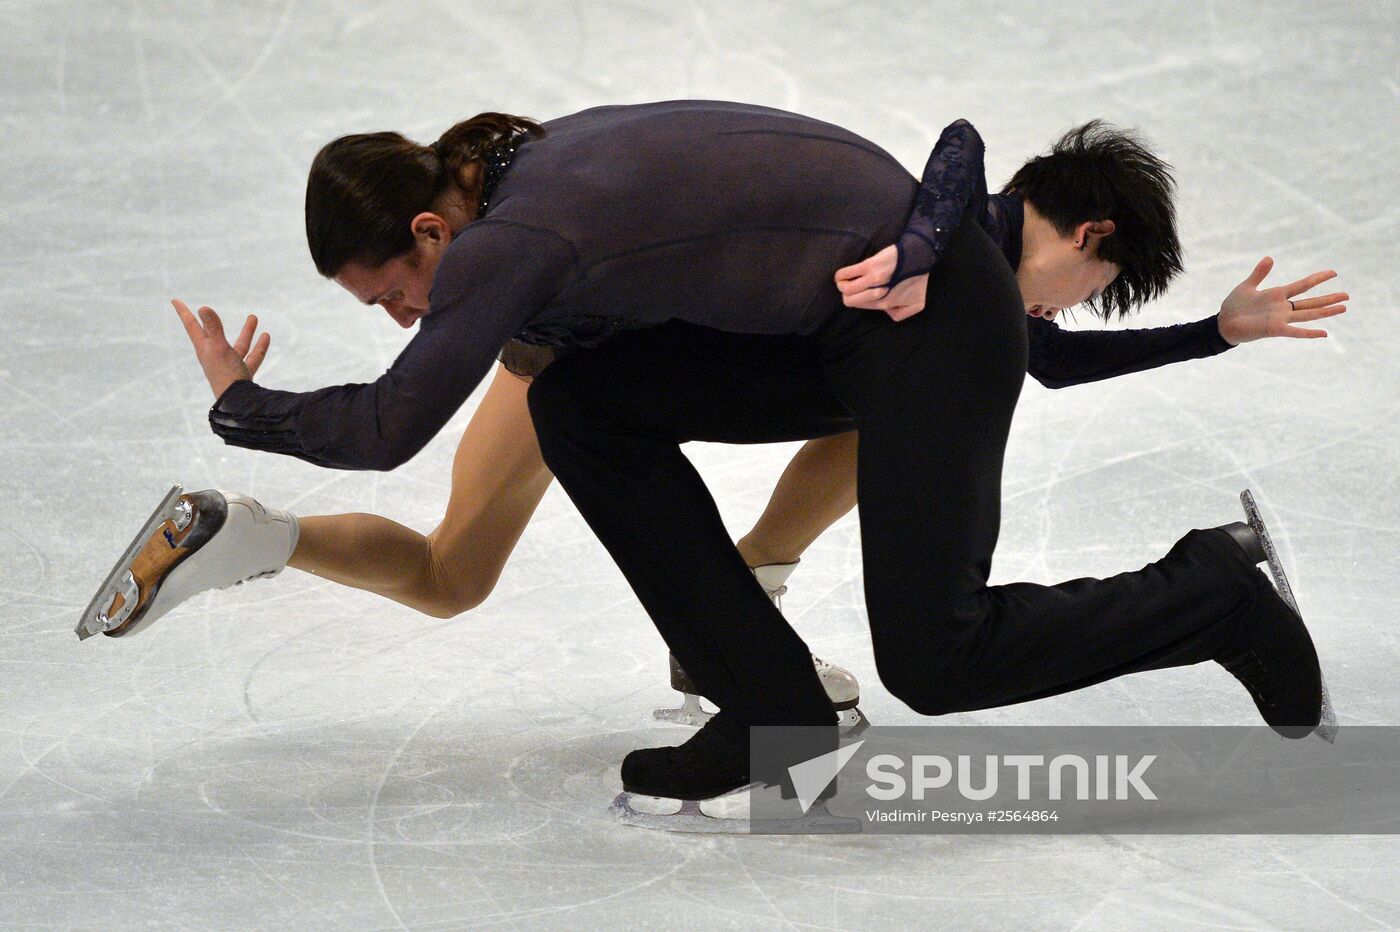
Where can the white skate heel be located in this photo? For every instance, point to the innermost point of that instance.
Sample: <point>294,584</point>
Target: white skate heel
<point>191,543</point>
<point>841,685</point>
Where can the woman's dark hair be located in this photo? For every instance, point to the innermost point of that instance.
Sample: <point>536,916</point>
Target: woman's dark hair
<point>1098,172</point>
<point>364,190</point>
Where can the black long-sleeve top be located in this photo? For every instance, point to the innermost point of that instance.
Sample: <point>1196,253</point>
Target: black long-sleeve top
<point>725,215</point>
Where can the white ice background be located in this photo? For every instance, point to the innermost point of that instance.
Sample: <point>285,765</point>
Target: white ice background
<point>294,754</point>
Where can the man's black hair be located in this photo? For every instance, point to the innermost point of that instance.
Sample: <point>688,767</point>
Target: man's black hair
<point>1099,172</point>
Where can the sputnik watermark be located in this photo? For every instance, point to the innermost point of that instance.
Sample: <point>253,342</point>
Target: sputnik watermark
<point>811,777</point>
<point>1113,777</point>
<point>1108,777</point>
<point>1081,779</point>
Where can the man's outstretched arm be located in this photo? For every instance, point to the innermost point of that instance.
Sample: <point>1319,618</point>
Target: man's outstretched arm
<point>1060,358</point>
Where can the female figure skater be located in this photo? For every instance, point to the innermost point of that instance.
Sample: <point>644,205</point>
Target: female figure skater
<point>547,236</point>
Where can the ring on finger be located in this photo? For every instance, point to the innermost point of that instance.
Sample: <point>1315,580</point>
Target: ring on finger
<point>1292,306</point>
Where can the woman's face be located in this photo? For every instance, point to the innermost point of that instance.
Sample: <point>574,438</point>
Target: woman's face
<point>401,286</point>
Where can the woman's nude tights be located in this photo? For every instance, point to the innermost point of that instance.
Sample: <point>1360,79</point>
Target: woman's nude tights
<point>498,479</point>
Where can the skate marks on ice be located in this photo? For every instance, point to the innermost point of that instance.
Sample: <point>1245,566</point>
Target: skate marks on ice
<point>292,837</point>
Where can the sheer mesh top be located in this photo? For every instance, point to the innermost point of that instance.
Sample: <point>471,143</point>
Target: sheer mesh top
<point>725,215</point>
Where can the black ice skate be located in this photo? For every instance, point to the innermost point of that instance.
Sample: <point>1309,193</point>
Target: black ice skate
<point>704,786</point>
<point>1273,655</point>
<point>840,684</point>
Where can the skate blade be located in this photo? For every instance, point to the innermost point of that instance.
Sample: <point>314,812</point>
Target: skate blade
<point>728,814</point>
<point>1327,725</point>
<point>116,582</point>
<point>851,722</point>
<point>691,713</point>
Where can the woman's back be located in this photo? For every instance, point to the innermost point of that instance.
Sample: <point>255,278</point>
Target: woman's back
<point>727,215</point>
<point>724,215</point>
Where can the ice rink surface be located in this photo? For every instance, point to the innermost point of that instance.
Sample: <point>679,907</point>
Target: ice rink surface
<point>293,754</point>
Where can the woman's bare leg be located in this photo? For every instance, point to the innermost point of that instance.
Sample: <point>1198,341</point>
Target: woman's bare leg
<point>498,479</point>
<point>817,488</point>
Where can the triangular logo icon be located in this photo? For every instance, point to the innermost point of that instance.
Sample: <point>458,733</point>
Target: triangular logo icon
<point>810,777</point>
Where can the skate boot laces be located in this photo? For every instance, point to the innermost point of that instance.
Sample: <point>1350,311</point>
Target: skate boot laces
<point>1250,671</point>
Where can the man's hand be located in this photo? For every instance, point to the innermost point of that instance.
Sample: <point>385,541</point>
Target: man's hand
<point>1249,314</point>
<point>863,285</point>
<point>223,364</point>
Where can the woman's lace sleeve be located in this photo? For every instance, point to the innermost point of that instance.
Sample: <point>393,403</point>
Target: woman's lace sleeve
<point>954,181</point>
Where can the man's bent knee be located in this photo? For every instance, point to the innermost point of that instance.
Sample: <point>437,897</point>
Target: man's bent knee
<point>928,691</point>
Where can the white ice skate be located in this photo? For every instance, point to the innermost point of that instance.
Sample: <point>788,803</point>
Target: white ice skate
<point>192,542</point>
<point>1327,725</point>
<point>841,685</point>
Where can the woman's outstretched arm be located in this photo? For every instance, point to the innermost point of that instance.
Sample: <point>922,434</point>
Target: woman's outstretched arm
<point>495,279</point>
<point>498,479</point>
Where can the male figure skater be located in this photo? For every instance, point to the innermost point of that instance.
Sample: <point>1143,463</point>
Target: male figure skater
<point>932,398</point>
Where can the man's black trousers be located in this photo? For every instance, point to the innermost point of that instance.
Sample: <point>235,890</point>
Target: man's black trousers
<point>932,398</point>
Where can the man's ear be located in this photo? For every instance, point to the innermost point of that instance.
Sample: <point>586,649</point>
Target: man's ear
<point>1099,228</point>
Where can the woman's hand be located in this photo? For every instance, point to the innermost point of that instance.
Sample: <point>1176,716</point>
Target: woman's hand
<point>863,285</point>
<point>223,364</point>
<point>1248,314</point>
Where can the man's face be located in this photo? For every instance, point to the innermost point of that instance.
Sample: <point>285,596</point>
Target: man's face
<point>1064,275</point>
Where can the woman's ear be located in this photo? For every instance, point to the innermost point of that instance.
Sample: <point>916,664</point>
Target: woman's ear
<point>430,227</point>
